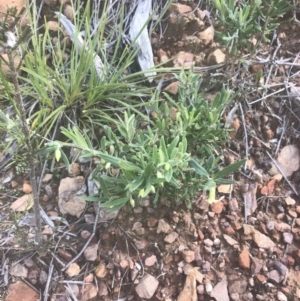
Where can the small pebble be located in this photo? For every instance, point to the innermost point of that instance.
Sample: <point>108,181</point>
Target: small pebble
<point>281,296</point>
<point>288,237</point>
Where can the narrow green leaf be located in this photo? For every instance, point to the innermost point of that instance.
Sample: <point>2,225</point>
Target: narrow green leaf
<point>103,186</point>
<point>229,169</point>
<point>172,145</point>
<point>198,168</point>
<point>126,165</point>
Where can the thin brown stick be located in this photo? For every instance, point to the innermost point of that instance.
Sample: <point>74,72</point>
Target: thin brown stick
<point>28,144</point>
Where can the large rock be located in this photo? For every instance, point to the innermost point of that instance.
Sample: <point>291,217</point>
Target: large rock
<point>69,202</point>
<point>220,292</point>
<point>216,57</point>
<point>147,286</point>
<point>21,291</point>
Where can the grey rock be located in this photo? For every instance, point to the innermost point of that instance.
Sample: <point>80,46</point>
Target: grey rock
<point>220,291</point>
<point>288,237</point>
<point>170,238</point>
<point>275,276</point>
<point>280,267</point>
<point>147,286</point>
<point>238,286</point>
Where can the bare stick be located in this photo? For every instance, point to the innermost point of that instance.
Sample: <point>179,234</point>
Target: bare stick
<point>48,281</point>
<point>246,135</point>
<point>30,149</point>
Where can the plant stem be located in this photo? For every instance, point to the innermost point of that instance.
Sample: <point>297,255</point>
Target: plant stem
<point>28,144</point>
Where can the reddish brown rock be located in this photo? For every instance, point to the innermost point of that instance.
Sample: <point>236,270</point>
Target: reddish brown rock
<point>27,188</point>
<point>261,278</point>
<point>244,258</point>
<point>172,88</point>
<point>21,291</point>
<point>229,230</point>
<point>217,207</point>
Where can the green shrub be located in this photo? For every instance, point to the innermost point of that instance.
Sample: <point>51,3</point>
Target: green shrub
<point>137,160</point>
<point>243,20</point>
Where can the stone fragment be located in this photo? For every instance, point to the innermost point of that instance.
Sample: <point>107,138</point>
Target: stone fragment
<point>217,207</point>
<point>90,292</point>
<point>185,59</point>
<point>150,261</point>
<point>275,276</point>
<point>162,56</point>
<point>216,57</point>
<point>73,270</point>
<point>141,244</point>
<point>85,234</point>
<point>102,289</point>
<point>90,253</point>
<point>189,291</point>
<point>163,227</point>
<point>89,278</point>
<point>43,277</point>
<point>179,9</point>
<point>101,270</point>
<point>256,265</point>
<point>281,296</point>
<point>69,12</point>
<point>152,222</point>
<point>69,202</point>
<point>230,240</point>
<point>238,286</point>
<point>207,35</point>
<point>220,292</point>
<point>27,188</point>
<point>261,278</point>
<point>224,188</point>
<point>229,231</point>
<point>208,287</point>
<point>280,267</point>
<point>208,242</point>
<point>293,213</point>
<point>235,297</point>
<point>170,238</point>
<point>289,201</point>
<point>188,256</point>
<point>47,178</point>
<point>147,286</point>
<point>19,270</point>
<point>172,88</point>
<point>288,237</point>
<point>74,170</point>
<point>21,291</point>
<point>263,241</point>
<point>23,203</point>
<point>244,258</point>
<point>137,225</point>
<point>124,263</point>
<point>201,289</point>
<point>282,227</point>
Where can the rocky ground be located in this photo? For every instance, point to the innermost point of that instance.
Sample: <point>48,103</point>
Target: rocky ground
<point>245,246</point>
